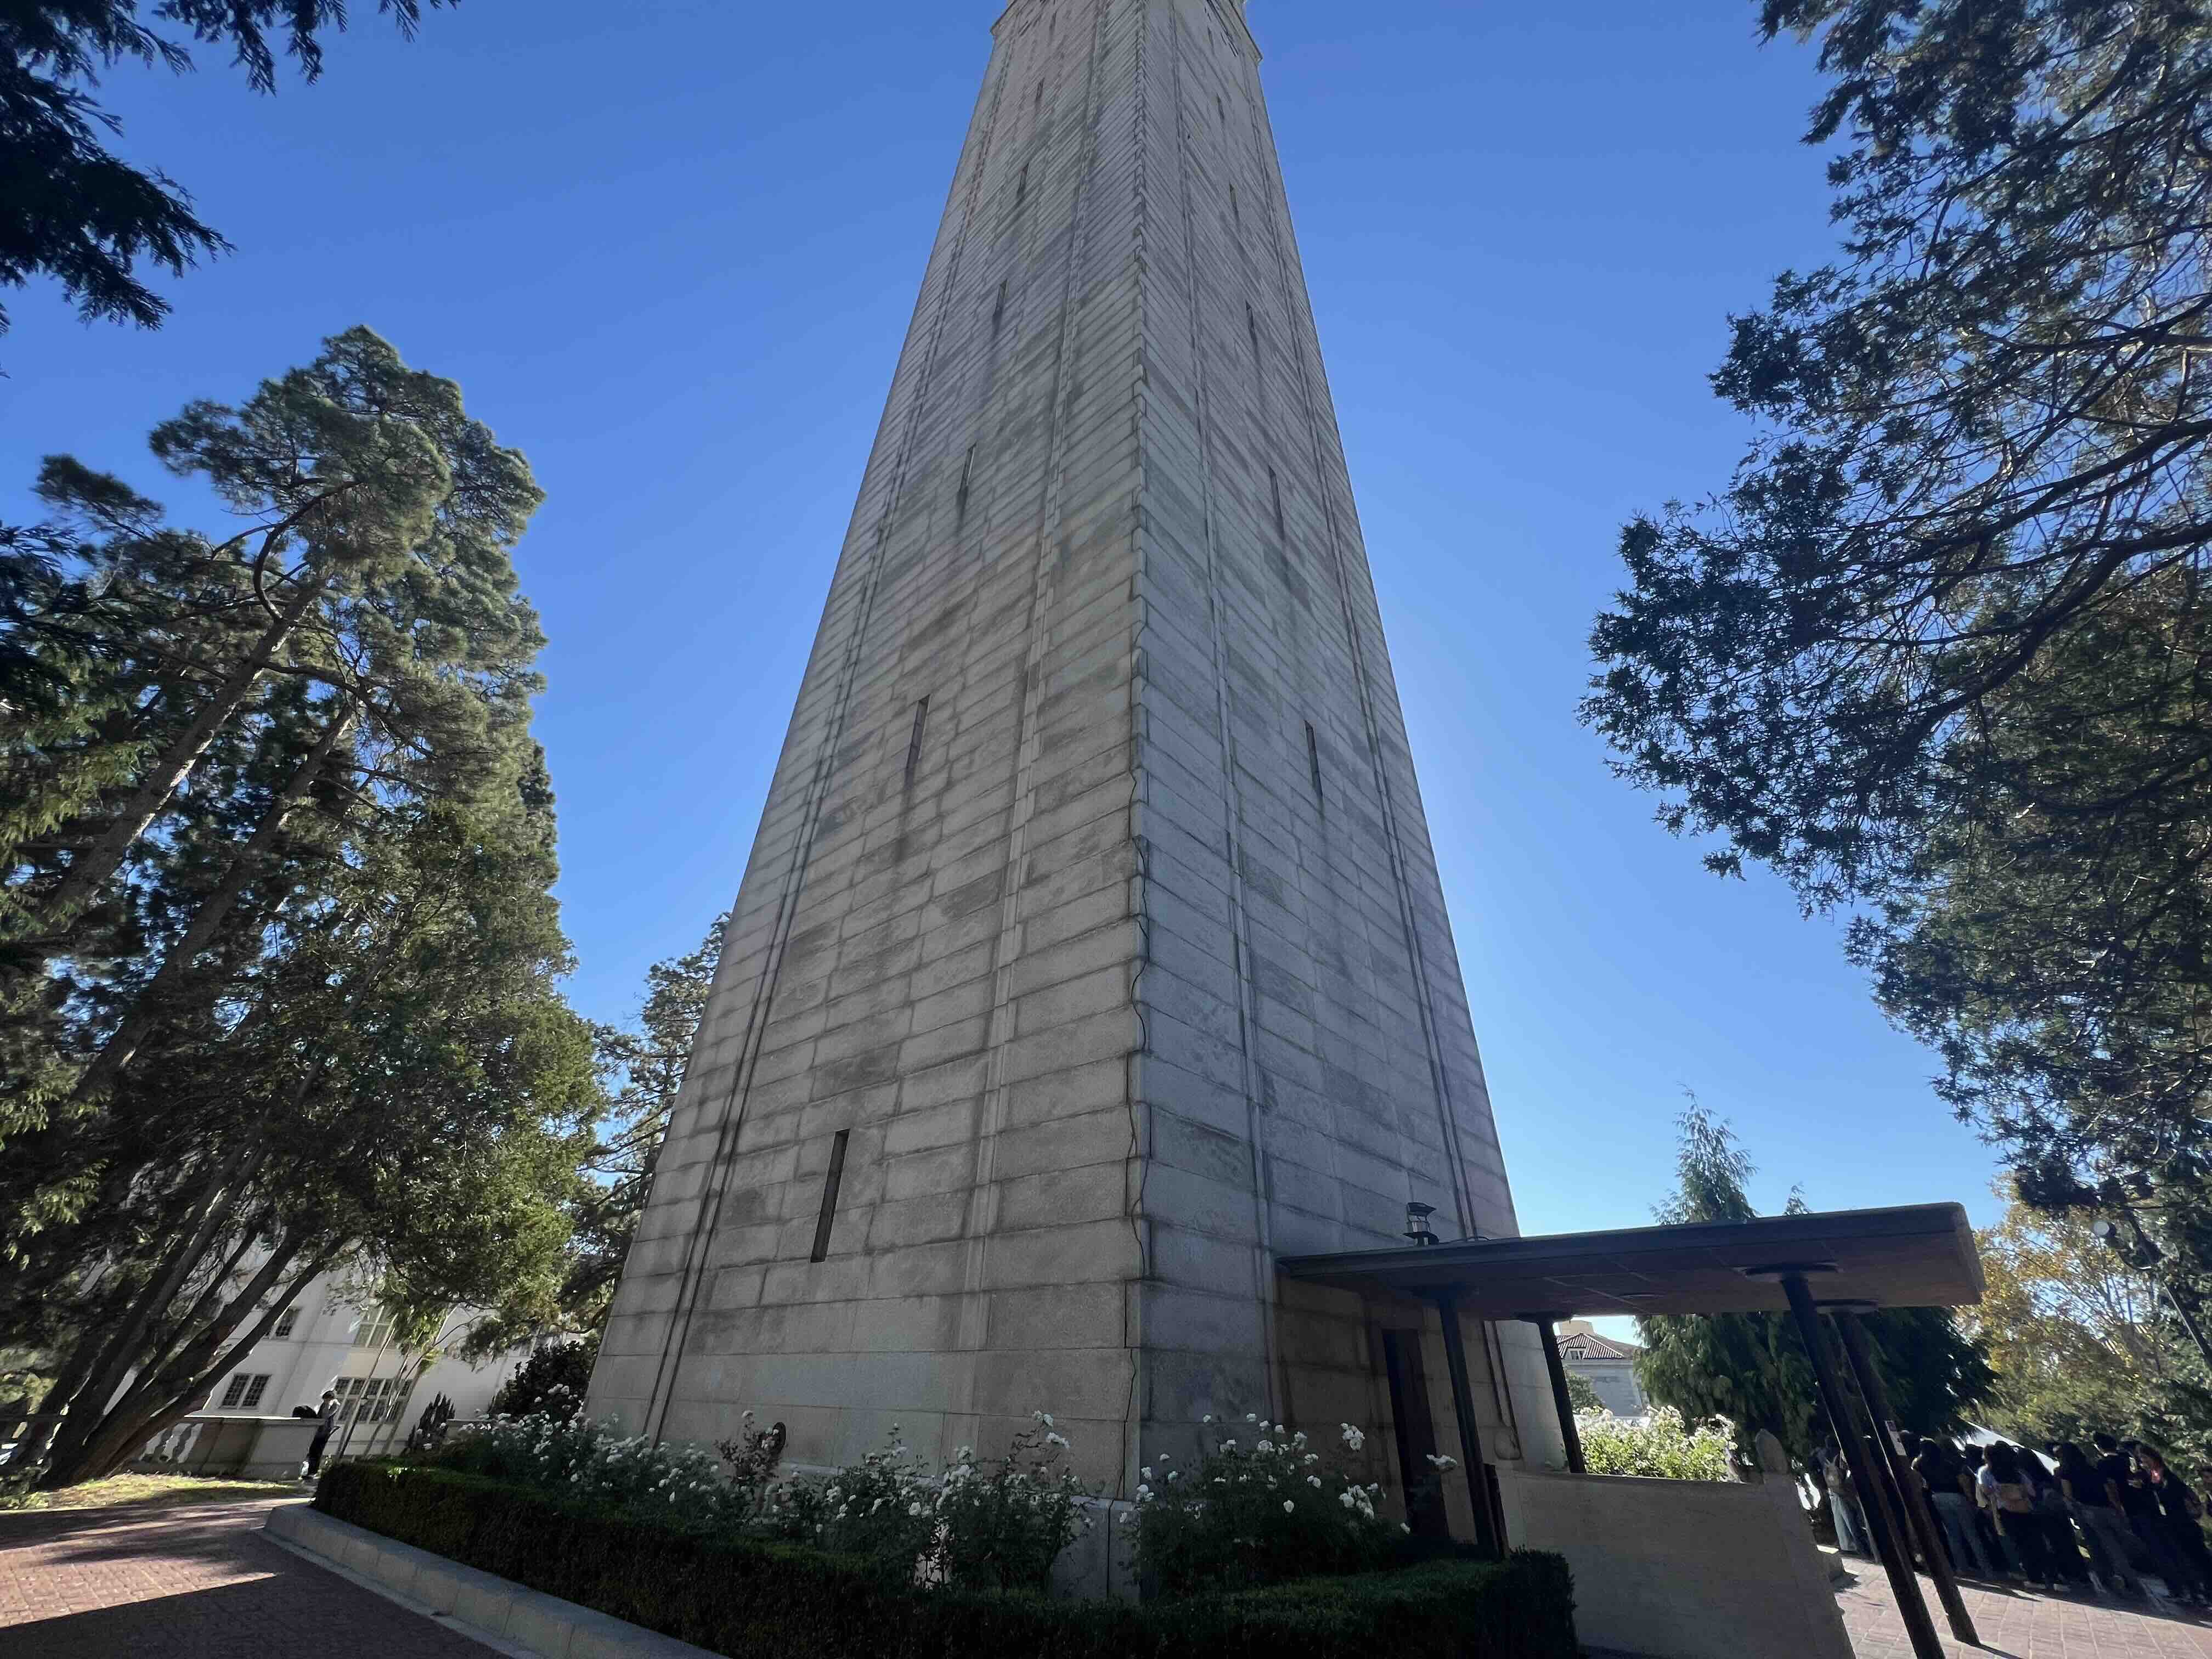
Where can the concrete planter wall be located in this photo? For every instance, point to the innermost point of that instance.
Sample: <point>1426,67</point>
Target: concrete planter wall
<point>477,1604</point>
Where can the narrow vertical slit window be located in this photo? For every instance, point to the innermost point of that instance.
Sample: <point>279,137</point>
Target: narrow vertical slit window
<point>1313,761</point>
<point>1236,209</point>
<point>1022,187</point>
<point>999,311</point>
<point>1252,329</point>
<point>1220,110</point>
<point>914,742</point>
<point>1036,104</point>
<point>830,1183</point>
<point>1274,490</point>
<point>966,474</point>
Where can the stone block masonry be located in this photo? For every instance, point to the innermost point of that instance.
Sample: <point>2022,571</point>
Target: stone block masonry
<point>1093,934</point>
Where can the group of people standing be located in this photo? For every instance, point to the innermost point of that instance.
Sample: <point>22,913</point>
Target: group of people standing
<point>2090,1522</point>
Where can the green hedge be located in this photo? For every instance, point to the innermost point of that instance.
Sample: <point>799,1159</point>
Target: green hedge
<point>762,1600</point>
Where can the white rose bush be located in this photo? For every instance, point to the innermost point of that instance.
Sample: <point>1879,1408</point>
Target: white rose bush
<point>982,1523</point>
<point>1262,1506</point>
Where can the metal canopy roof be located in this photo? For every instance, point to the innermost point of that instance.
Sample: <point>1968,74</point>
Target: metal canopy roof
<point>1918,1255</point>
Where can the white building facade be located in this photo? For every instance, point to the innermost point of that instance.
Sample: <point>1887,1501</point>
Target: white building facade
<point>335,1335</point>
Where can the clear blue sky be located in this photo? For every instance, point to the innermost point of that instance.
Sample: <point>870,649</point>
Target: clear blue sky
<point>670,250</point>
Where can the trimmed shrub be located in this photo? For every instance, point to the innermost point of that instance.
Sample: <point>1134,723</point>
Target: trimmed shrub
<point>1665,1448</point>
<point>552,1382</point>
<point>755,1600</point>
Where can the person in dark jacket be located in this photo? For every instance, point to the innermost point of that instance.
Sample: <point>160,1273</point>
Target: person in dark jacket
<point>2180,1509</point>
<point>326,1423</point>
<point>2102,1524</point>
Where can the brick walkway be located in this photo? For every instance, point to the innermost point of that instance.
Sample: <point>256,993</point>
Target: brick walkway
<point>2022,1624</point>
<point>194,1581</point>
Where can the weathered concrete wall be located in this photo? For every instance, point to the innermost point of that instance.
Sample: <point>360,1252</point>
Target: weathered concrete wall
<point>1122,966</point>
<point>1683,1569</point>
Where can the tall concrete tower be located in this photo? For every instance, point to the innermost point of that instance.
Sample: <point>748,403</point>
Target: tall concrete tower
<point>1091,954</point>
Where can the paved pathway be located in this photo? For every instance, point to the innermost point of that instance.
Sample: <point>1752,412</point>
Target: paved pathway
<point>199,1582</point>
<point>193,1582</point>
<point>2022,1624</point>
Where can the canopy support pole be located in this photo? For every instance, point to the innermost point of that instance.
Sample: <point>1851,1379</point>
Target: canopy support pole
<point>1859,1456</point>
<point>1489,1534</point>
<point>1569,1435</point>
<point>1860,1352</point>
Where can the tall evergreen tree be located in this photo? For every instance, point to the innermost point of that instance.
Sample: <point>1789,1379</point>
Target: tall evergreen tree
<point>1752,1368</point>
<point>283,959</point>
<point>361,639</point>
<point>1942,650</point>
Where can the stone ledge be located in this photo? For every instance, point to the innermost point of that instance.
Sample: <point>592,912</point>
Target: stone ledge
<point>502,1614</point>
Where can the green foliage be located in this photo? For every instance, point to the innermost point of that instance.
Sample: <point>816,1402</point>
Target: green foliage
<point>279,961</point>
<point>1582,1395</point>
<point>1751,1369</point>
<point>1941,651</point>
<point>650,1061</point>
<point>80,213</point>
<point>1259,1511</point>
<point>550,1383</point>
<point>1663,1448</point>
<point>2081,1343</point>
<point>745,1597</point>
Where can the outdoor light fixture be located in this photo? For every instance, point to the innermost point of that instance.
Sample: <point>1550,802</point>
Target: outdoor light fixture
<point>1417,1222</point>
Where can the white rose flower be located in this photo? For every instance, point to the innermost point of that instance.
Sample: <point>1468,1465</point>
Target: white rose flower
<point>1289,1508</point>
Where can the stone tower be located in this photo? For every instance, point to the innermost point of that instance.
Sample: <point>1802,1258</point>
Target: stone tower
<point>1092,953</point>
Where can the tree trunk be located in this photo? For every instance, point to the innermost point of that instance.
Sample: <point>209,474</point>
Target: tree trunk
<point>98,1383</point>
<point>93,867</point>
<point>214,910</point>
<point>105,1444</point>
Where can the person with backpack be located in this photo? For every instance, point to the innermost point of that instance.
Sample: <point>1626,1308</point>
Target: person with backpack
<point>1844,1502</point>
<point>1945,1477</point>
<point>2010,1501</point>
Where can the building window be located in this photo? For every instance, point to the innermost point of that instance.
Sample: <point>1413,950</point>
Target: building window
<point>375,1330</point>
<point>1022,188</point>
<point>1313,760</point>
<point>913,744</point>
<point>967,476</point>
<point>999,311</point>
<point>831,1183</point>
<point>371,1399</point>
<point>1275,494</point>
<point>245,1392</point>
<point>287,1322</point>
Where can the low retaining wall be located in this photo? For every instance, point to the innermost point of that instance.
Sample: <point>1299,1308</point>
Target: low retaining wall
<point>246,1444</point>
<point>475,1604</point>
<point>1683,1569</point>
